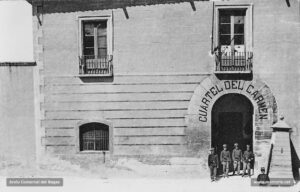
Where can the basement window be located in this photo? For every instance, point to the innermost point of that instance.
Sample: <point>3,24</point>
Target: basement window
<point>94,137</point>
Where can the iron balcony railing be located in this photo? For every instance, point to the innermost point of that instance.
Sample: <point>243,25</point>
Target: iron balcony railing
<point>92,65</point>
<point>233,62</point>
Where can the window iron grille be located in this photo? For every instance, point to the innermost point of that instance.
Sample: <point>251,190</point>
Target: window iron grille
<point>94,137</point>
<point>234,62</point>
<point>90,64</point>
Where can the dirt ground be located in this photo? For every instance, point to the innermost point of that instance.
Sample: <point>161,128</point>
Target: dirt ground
<point>130,175</point>
<point>232,184</point>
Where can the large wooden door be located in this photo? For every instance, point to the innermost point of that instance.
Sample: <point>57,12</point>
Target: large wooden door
<point>230,128</point>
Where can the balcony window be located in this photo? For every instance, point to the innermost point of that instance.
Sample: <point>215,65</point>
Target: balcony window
<point>233,39</point>
<point>96,53</point>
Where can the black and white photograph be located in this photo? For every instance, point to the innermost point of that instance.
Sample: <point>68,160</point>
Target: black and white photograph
<point>150,95</point>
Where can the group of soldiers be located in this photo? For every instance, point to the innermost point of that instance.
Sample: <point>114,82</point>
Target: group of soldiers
<point>236,157</point>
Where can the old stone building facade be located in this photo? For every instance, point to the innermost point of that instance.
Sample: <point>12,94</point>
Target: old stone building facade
<point>164,78</point>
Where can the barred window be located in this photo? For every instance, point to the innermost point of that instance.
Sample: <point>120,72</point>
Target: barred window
<point>94,137</point>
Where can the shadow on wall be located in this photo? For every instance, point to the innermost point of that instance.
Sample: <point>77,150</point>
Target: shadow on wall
<point>92,79</point>
<point>90,5</point>
<point>246,77</point>
<point>295,162</point>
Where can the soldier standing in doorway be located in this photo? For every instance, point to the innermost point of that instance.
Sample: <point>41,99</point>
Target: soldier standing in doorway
<point>213,164</point>
<point>263,178</point>
<point>237,158</point>
<point>247,160</point>
<point>225,160</point>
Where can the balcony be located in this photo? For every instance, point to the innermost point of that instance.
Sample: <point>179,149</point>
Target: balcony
<point>233,62</point>
<point>91,65</point>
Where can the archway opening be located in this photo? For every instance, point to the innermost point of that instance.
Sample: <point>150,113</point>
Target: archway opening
<point>232,122</point>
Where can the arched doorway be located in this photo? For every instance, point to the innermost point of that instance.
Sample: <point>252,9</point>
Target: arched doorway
<point>231,96</point>
<point>232,122</point>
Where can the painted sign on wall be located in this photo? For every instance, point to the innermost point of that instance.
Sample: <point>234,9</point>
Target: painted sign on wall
<point>247,89</point>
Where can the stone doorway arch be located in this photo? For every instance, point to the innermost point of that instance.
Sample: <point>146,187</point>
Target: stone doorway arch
<point>232,122</point>
<point>210,89</point>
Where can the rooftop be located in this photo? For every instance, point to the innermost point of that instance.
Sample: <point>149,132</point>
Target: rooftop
<point>281,124</point>
<point>52,6</point>
<point>15,64</point>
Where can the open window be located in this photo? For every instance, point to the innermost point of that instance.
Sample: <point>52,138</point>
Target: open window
<point>233,39</point>
<point>95,46</point>
<point>232,30</point>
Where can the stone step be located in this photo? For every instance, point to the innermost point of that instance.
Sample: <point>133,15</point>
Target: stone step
<point>281,163</point>
<point>281,137</point>
<point>280,159</point>
<point>275,165</point>
<point>283,143</point>
<point>280,155</point>
<point>285,151</point>
<point>280,175</point>
<point>281,171</point>
<point>278,166</point>
<point>284,147</point>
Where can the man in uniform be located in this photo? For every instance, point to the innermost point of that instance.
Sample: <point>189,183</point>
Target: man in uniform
<point>247,159</point>
<point>236,158</point>
<point>213,164</point>
<point>225,160</point>
<point>263,178</point>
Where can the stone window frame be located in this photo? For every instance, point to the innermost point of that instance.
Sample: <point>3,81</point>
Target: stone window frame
<point>77,136</point>
<point>100,66</point>
<point>107,18</point>
<point>248,23</point>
